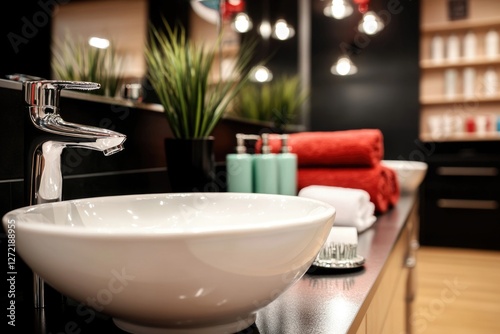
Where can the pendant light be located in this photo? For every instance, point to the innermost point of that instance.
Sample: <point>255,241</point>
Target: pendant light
<point>338,9</point>
<point>261,74</point>
<point>241,22</point>
<point>282,30</point>
<point>344,66</point>
<point>371,23</point>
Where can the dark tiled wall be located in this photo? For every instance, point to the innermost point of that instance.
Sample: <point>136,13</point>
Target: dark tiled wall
<point>139,168</point>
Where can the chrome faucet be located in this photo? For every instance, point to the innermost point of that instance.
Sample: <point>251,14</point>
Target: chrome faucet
<point>45,184</point>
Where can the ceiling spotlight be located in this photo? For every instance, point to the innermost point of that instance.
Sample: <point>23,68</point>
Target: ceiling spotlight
<point>370,24</point>
<point>241,23</point>
<point>261,74</point>
<point>344,66</point>
<point>338,9</point>
<point>282,30</point>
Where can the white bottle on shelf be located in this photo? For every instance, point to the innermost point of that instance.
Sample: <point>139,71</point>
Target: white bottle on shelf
<point>435,125</point>
<point>490,82</point>
<point>469,46</point>
<point>450,83</point>
<point>453,48</point>
<point>469,80</point>
<point>437,49</point>
<point>491,44</point>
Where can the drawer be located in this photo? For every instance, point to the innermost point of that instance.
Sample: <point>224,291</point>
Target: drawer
<point>457,177</point>
<point>459,222</point>
<point>463,190</point>
<point>394,271</point>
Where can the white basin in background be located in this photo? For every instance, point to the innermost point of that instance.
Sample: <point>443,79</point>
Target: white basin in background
<point>410,174</point>
<point>173,263</point>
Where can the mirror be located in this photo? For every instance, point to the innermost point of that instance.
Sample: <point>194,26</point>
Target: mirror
<point>125,23</point>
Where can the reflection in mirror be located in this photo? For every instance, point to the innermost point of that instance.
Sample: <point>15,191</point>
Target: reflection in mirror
<point>122,25</point>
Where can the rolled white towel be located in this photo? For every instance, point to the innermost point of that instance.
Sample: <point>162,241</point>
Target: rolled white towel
<point>353,206</point>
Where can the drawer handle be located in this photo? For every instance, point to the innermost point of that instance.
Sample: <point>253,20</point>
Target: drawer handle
<point>467,171</point>
<point>410,262</point>
<point>467,204</point>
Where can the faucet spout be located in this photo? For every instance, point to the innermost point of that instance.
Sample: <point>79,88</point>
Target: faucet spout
<point>104,140</point>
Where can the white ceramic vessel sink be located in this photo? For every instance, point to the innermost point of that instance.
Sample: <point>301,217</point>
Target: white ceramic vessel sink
<point>174,263</point>
<point>410,174</point>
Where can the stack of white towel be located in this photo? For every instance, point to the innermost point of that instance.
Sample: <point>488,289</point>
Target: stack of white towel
<point>353,207</point>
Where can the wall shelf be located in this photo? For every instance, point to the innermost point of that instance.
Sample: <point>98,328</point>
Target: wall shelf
<point>460,25</point>
<point>479,61</point>
<point>427,137</point>
<point>443,82</point>
<point>443,100</point>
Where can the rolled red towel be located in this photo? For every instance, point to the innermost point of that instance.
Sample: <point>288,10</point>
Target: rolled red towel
<point>357,147</point>
<point>378,181</point>
<point>393,184</point>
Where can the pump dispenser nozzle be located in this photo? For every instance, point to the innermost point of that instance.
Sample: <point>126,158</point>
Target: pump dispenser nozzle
<point>240,143</point>
<point>287,165</point>
<point>265,149</point>
<point>284,144</point>
<point>239,167</point>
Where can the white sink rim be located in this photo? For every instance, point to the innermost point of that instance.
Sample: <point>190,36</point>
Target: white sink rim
<point>246,268</point>
<point>410,173</point>
<point>123,231</point>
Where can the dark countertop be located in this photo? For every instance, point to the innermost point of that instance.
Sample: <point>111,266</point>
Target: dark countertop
<point>328,301</point>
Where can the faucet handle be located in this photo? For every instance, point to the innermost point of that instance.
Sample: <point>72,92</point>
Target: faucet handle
<point>42,95</point>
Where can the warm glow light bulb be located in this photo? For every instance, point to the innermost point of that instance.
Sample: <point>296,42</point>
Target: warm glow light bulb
<point>265,29</point>
<point>339,9</point>
<point>242,23</point>
<point>343,66</point>
<point>282,30</point>
<point>262,74</point>
<point>371,24</point>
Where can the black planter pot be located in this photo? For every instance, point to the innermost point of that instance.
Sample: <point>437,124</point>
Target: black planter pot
<point>190,164</point>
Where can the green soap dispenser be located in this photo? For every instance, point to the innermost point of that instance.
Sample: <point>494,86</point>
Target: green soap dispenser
<point>266,169</point>
<point>239,168</point>
<point>287,169</point>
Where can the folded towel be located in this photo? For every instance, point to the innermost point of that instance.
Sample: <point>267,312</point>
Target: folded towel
<point>379,181</point>
<point>353,206</point>
<point>358,147</point>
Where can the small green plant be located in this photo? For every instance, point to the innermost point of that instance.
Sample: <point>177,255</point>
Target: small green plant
<point>181,73</point>
<point>74,59</point>
<point>277,101</point>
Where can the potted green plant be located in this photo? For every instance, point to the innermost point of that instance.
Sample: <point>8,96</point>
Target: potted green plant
<point>73,59</point>
<point>277,101</point>
<point>181,73</point>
